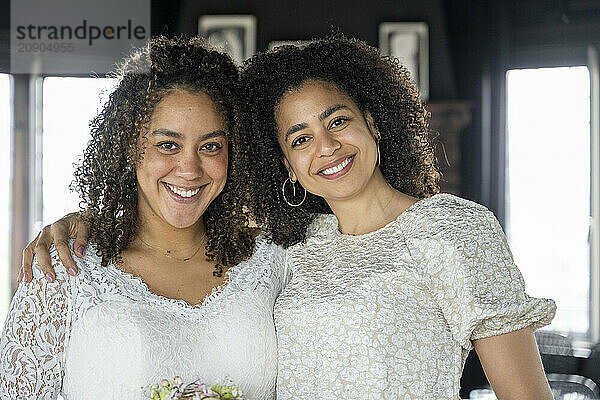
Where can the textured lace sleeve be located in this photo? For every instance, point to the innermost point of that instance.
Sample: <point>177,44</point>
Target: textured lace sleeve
<point>269,265</point>
<point>281,267</point>
<point>466,263</point>
<point>34,336</point>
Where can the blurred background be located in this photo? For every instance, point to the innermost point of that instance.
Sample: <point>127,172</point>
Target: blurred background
<point>512,87</point>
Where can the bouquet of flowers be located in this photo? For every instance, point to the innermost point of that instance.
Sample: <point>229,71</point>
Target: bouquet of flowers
<point>176,390</point>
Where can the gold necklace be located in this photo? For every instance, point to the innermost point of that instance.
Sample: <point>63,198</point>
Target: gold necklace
<point>167,252</point>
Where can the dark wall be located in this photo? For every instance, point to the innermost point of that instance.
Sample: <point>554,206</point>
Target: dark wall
<point>297,20</point>
<point>479,33</point>
<point>4,35</point>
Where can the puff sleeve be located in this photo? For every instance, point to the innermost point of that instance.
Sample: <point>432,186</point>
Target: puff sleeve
<point>465,262</point>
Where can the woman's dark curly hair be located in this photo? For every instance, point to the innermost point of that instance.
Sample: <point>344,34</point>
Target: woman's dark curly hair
<point>375,83</point>
<point>106,176</point>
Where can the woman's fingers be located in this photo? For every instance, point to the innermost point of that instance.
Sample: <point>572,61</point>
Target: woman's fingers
<point>26,273</point>
<point>81,239</point>
<point>60,231</point>
<point>42,251</point>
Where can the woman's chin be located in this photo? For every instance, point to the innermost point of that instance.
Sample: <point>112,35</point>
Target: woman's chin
<point>182,221</point>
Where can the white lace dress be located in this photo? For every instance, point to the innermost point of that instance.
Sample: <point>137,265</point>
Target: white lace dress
<point>391,314</point>
<point>104,335</point>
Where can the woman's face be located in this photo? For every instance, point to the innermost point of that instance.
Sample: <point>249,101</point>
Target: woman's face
<point>184,164</point>
<point>327,142</point>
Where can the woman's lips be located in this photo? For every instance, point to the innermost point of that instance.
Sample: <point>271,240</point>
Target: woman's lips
<point>182,199</point>
<point>337,170</point>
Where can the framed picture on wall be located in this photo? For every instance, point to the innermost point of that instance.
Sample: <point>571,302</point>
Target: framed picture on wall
<point>409,43</point>
<point>235,34</point>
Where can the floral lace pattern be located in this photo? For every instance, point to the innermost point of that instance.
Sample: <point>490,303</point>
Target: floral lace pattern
<point>103,334</point>
<point>391,314</point>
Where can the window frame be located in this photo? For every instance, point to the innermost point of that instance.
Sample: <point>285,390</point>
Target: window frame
<point>26,164</point>
<point>594,68</point>
<point>528,58</point>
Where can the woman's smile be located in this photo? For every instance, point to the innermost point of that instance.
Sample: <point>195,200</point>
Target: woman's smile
<point>337,169</point>
<point>184,194</point>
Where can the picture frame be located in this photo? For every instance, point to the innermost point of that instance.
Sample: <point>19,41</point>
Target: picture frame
<point>409,43</point>
<point>234,34</point>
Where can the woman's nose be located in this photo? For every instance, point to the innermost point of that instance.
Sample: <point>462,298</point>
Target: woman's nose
<point>189,166</point>
<point>328,143</point>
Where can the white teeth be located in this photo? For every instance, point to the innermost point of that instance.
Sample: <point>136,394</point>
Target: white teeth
<point>183,192</point>
<point>337,168</point>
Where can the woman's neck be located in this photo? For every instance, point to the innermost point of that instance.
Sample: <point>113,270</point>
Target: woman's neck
<point>375,206</point>
<point>158,233</point>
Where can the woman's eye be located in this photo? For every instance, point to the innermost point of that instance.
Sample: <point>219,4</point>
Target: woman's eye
<point>338,122</point>
<point>211,147</point>
<point>167,146</point>
<point>299,141</point>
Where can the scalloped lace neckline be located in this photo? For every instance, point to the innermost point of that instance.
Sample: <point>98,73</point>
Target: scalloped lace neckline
<point>142,287</point>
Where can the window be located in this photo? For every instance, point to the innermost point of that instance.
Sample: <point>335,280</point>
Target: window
<point>548,188</point>
<point>5,177</point>
<point>68,106</point>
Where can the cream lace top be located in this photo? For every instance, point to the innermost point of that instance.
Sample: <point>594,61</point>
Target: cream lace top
<point>104,335</point>
<point>391,314</point>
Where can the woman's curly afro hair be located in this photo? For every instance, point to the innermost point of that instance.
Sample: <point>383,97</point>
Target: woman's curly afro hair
<point>375,83</point>
<point>106,176</point>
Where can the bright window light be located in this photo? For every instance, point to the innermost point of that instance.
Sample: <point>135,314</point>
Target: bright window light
<point>548,188</point>
<point>5,177</point>
<point>68,106</point>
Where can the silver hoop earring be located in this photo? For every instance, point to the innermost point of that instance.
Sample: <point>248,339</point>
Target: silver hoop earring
<point>293,191</point>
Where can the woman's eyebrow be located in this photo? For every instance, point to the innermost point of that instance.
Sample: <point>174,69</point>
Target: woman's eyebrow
<point>294,129</point>
<point>177,135</point>
<point>212,135</point>
<point>166,132</point>
<point>331,110</point>
<point>324,114</point>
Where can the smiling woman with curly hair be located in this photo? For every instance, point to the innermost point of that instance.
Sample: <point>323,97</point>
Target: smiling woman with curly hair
<point>150,300</point>
<point>378,85</point>
<point>391,283</point>
<point>106,177</point>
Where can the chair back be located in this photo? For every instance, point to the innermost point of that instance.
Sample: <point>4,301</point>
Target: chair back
<point>553,343</point>
<point>573,387</point>
<point>556,351</point>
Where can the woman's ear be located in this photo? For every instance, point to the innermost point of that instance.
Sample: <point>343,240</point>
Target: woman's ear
<point>289,169</point>
<point>371,125</point>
